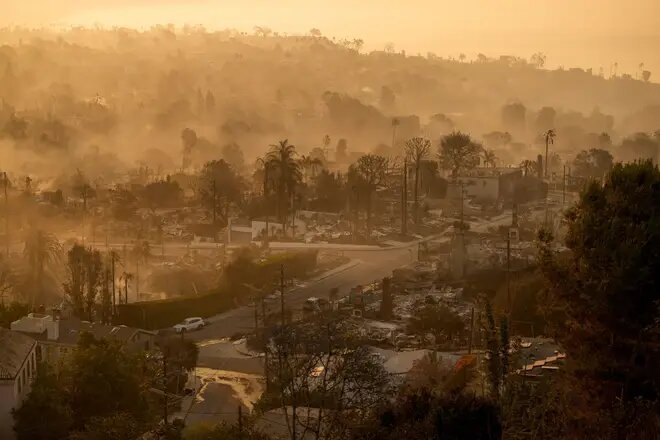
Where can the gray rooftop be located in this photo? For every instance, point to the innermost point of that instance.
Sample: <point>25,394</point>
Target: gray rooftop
<point>14,349</point>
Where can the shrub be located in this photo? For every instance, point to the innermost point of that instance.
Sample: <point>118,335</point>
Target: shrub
<point>232,291</point>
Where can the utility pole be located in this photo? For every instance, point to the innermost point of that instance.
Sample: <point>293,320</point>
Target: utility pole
<point>137,278</point>
<point>240,421</point>
<point>471,331</point>
<point>112,269</point>
<point>293,428</point>
<point>395,123</point>
<point>5,182</point>
<point>282,292</point>
<point>265,340</point>
<point>462,205</point>
<point>547,139</point>
<point>508,276</point>
<point>404,199</point>
<point>514,215</point>
<point>464,249</point>
<point>256,316</point>
<point>563,191</point>
<point>214,202</point>
<point>165,356</point>
<point>266,199</point>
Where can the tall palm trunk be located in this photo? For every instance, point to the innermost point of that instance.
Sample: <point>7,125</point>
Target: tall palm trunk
<point>415,194</point>
<point>368,210</point>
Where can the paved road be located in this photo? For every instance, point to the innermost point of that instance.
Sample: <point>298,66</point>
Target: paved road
<point>223,360</point>
<point>366,267</point>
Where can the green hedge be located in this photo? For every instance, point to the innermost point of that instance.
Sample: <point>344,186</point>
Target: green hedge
<point>165,313</point>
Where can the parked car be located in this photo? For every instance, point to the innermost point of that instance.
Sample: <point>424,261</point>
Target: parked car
<point>189,324</point>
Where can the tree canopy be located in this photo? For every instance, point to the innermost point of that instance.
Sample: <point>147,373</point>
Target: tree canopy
<point>458,152</point>
<point>602,301</point>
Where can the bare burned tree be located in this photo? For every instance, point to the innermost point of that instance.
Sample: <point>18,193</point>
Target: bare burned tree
<point>417,149</point>
<point>326,381</point>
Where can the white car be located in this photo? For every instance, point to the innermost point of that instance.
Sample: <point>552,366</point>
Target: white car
<point>189,324</point>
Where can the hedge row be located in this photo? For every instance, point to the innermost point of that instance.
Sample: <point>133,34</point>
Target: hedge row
<point>165,313</point>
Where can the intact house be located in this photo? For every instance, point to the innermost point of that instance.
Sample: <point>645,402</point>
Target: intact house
<point>486,184</point>
<point>18,367</point>
<point>57,336</point>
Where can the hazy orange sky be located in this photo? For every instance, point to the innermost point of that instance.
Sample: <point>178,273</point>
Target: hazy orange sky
<point>585,33</point>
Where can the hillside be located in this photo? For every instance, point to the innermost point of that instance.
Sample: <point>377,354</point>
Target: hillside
<point>127,95</point>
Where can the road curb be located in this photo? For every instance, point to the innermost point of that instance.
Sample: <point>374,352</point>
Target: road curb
<point>337,270</point>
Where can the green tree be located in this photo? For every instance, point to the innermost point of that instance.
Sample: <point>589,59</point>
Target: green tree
<point>93,270</point>
<point>602,302</point>
<point>225,431</point>
<point>497,351</point>
<point>45,414</point>
<point>163,194</point>
<point>10,312</point>
<point>594,164</point>
<point>102,379</point>
<point>82,188</point>
<point>423,414</point>
<point>85,280</point>
<point>321,364</point>
<point>439,320</point>
<point>42,253</point>
<point>330,192</point>
<point>220,188</point>
<point>98,387</point>
<point>74,286</point>
<point>181,356</point>
<point>367,174</point>
<point>309,166</point>
<point>116,426</point>
<point>285,172</point>
<point>457,152</point>
<point>7,280</point>
<point>417,149</point>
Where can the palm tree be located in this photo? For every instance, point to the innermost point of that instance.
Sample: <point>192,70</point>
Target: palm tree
<point>266,180</point>
<point>489,157</point>
<point>527,166</point>
<point>286,172</point>
<point>309,163</point>
<point>417,149</point>
<point>549,139</point>
<point>126,277</point>
<point>42,252</point>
